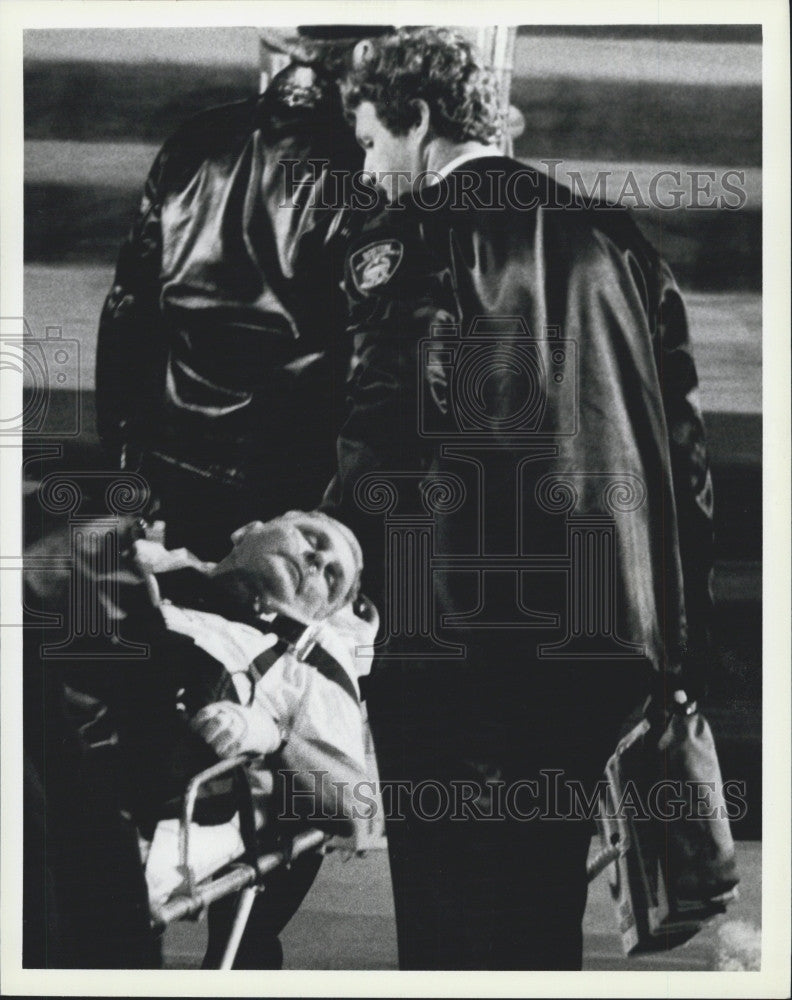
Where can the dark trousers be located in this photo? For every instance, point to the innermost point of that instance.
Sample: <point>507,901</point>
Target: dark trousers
<point>84,898</point>
<point>200,511</point>
<point>273,908</point>
<point>479,880</point>
<point>207,491</point>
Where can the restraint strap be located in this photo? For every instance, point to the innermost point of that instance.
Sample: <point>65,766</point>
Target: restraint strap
<point>289,632</point>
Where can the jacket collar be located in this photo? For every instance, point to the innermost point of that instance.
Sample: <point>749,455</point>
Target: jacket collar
<point>477,154</point>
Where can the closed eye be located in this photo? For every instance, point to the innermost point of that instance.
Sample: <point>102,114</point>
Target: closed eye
<point>310,537</point>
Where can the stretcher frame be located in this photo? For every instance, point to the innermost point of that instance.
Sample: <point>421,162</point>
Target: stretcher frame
<point>244,877</point>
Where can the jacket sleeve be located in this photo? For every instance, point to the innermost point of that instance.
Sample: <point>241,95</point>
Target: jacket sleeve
<point>396,293</point>
<point>131,353</point>
<point>692,480</point>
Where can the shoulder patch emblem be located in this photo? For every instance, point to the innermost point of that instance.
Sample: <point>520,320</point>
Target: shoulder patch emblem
<point>375,264</point>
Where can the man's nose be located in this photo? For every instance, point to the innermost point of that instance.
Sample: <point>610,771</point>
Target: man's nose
<point>315,560</point>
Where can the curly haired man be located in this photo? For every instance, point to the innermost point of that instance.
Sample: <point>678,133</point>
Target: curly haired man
<point>532,354</point>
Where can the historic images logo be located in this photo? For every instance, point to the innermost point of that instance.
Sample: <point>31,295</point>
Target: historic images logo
<point>47,370</point>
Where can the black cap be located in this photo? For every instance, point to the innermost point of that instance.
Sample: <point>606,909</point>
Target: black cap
<point>338,32</point>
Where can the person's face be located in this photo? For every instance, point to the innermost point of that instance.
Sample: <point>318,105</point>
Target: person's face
<point>300,564</point>
<point>393,160</point>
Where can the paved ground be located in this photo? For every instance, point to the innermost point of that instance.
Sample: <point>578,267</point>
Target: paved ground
<point>347,922</point>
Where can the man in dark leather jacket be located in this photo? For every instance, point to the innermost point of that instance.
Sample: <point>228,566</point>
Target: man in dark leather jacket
<point>524,464</point>
<point>221,353</point>
<point>222,349</point>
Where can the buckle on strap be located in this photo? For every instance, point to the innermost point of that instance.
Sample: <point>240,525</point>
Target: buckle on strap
<point>303,641</point>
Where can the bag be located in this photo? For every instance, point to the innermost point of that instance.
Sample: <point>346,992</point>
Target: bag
<point>664,824</point>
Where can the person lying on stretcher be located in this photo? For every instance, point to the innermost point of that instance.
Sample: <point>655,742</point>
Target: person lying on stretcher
<point>257,654</point>
<point>288,670</point>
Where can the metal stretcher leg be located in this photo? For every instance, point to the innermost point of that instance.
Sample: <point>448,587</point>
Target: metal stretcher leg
<point>244,905</point>
<point>244,879</point>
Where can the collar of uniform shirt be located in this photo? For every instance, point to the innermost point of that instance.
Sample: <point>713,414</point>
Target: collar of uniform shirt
<point>435,176</point>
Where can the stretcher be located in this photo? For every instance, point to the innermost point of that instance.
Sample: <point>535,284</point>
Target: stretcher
<point>650,913</point>
<point>236,865</point>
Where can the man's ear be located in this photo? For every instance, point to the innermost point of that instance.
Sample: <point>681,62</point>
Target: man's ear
<point>362,52</point>
<point>240,533</point>
<point>422,126</point>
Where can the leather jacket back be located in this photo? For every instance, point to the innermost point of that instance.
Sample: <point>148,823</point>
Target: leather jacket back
<point>226,319</point>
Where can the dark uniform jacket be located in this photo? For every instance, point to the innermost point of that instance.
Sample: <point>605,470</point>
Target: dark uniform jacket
<point>529,359</point>
<point>220,339</point>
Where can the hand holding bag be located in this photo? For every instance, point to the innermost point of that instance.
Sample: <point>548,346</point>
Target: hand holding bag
<point>665,822</point>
